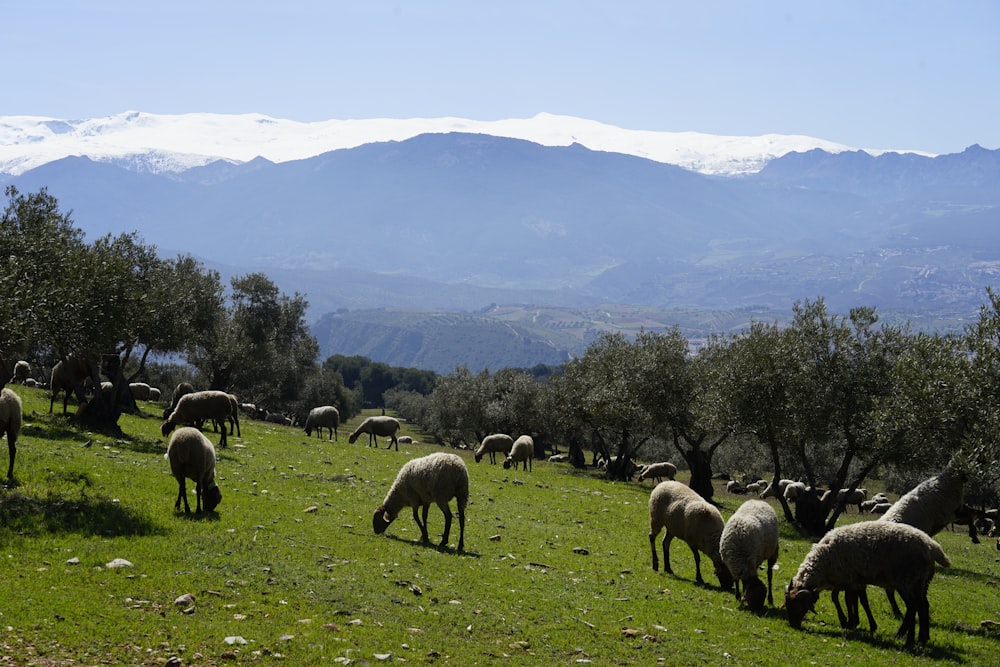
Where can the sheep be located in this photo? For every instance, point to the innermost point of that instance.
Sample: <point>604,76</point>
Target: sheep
<point>10,423</point>
<point>848,497</point>
<point>405,440</point>
<point>22,369</point>
<point>523,450</point>
<point>733,486</point>
<point>192,456</point>
<point>182,389</point>
<point>658,471</point>
<point>559,458</point>
<point>794,490</point>
<point>325,416</point>
<point>881,508</point>
<point>140,391</point>
<point>749,538</point>
<point>277,418</point>
<point>892,555</point>
<point>755,487</point>
<point>491,444</point>
<point>932,504</point>
<point>200,406</point>
<point>686,515</point>
<point>234,416</point>
<point>435,478</point>
<point>772,491</point>
<point>154,394</point>
<point>376,426</point>
<point>69,375</point>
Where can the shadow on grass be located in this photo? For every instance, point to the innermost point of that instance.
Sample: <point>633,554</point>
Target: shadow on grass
<point>885,639</point>
<point>431,546</point>
<point>22,514</point>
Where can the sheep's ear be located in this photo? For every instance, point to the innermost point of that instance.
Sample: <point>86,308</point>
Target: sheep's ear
<point>386,517</point>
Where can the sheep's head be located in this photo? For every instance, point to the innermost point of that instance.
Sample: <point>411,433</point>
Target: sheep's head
<point>381,519</point>
<point>211,498</point>
<point>352,438</point>
<point>478,456</point>
<point>506,462</point>
<point>798,601</point>
<point>166,427</point>
<point>723,574</point>
<point>754,593</point>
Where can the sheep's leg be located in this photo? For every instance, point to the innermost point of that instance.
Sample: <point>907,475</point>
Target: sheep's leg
<point>908,627</point>
<point>770,573</point>
<point>197,493</point>
<point>12,452</point>
<point>182,494</point>
<point>461,527</point>
<point>222,441</point>
<point>845,621</point>
<point>666,552</point>
<point>863,598</point>
<point>652,546</point>
<point>697,565</point>
<point>892,603</point>
<point>447,522</point>
<point>423,526</point>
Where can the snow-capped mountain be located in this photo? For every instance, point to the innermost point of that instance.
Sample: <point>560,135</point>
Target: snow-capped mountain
<point>170,143</point>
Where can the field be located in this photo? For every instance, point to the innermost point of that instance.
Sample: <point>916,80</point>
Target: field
<point>556,569</point>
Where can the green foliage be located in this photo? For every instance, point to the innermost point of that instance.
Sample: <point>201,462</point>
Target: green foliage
<point>557,567</point>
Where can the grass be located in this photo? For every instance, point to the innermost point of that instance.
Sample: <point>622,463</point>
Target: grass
<point>556,569</point>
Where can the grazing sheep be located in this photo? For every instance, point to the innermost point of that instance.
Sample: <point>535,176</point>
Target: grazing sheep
<point>182,389</point>
<point>755,487</point>
<point>140,391</point>
<point>794,490</point>
<point>658,471</point>
<point>855,497</point>
<point>277,418</point>
<point>733,486</point>
<point>773,491</point>
<point>376,426</point>
<point>686,515</point>
<point>22,369</point>
<point>325,416</point>
<point>197,407</point>
<point>69,375</point>
<point>10,423</point>
<point>932,504</point>
<point>491,444</point>
<point>892,555</point>
<point>559,458</point>
<point>750,538</point>
<point>435,478</point>
<point>192,456</point>
<point>522,451</point>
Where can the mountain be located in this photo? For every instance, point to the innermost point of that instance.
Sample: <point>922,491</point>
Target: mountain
<point>174,143</point>
<point>453,224</point>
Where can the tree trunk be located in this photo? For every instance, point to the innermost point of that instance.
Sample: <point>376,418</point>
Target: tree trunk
<point>701,473</point>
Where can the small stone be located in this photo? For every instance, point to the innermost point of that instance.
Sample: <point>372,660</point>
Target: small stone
<point>235,639</point>
<point>73,561</point>
<point>117,563</point>
<point>581,551</point>
<point>185,600</point>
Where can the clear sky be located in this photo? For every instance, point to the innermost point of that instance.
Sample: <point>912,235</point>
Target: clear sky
<point>898,74</point>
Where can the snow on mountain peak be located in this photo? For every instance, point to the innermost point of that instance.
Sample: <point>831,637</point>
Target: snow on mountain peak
<point>157,142</point>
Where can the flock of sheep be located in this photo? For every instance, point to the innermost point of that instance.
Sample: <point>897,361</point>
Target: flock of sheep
<point>894,552</point>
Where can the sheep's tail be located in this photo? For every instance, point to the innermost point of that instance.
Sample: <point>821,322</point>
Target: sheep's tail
<point>939,556</point>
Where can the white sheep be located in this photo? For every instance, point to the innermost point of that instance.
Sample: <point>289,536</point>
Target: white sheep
<point>180,390</point>
<point>324,416</point>
<point>932,504</point>
<point>794,490</point>
<point>733,486</point>
<point>154,394</point>
<point>559,458</point>
<point>376,426</point>
<point>855,497</point>
<point>10,423</point>
<point>755,487</point>
<point>522,451</point>
<point>880,508</point>
<point>658,471</point>
<point>140,390</point>
<point>894,556</point>
<point>198,407</point>
<point>491,444</point>
<point>192,456</point>
<point>435,478</point>
<point>22,369</point>
<point>684,514</point>
<point>405,440</point>
<point>772,491</point>
<point>750,538</point>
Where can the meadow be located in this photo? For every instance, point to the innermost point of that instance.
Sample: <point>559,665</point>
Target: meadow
<point>556,568</point>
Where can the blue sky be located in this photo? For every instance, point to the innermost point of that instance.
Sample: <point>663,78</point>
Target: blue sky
<point>911,74</point>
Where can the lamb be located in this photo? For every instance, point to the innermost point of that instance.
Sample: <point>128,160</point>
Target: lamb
<point>376,426</point>
<point>523,450</point>
<point>10,423</point>
<point>491,444</point>
<point>658,471</point>
<point>192,456</point>
<point>749,538</point>
<point>325,416</point>
<point>892,555</point>
<point>200,406</point>
<point>435,478</point>
<point>686,515</point>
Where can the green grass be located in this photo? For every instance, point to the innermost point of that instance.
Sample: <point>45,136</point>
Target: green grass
<point>556,570</point>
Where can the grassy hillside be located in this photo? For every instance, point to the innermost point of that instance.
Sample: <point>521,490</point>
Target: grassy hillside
<point>556,569</point>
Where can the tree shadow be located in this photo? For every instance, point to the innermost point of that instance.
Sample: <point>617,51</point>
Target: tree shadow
<point>28,515</point>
